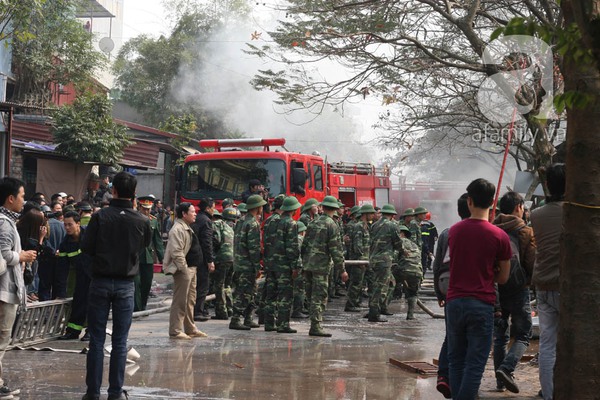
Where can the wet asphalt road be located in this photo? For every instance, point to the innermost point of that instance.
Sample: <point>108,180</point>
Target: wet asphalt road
<point>353,364</point>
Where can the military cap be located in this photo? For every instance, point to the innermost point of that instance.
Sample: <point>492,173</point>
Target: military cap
<point>230,213</point>
<point>242,207</point>
<point>420,210</point>
<point>217,213</point>
<point>255,201</point>
<point>83,206</point>
<point>354,210</point>
<point>330,201</point>
<point>227,202</point>
<point>309,203</point>
<point>146,201</point>
<point>367,208</point>
<point>278,201</point>
<point>388,209</point>
<point>340,203</point>
<point>301,226</point>
<point>290,204</point>
<point>409,212</point>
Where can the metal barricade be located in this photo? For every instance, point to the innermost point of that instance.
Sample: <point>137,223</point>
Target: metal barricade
<point>41,322</point>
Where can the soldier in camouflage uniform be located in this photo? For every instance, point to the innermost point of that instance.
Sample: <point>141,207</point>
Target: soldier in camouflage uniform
<point>322,246</point>
<point>360,251</point>
<point>223,246</point>
<point>298,310</point>
<point>348,233</point>
<point>283,268</point>
<point>385,240</point>
<point>336,286</point>
<point>267,304</point>
<point>407,216</point>
<point>310,211</point>
<point>415,227</point>
<point>247,255</point>
<point>410,270</point>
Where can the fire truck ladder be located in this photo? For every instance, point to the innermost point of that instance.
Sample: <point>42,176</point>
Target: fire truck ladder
<point>344,167</point>
<point>43,321</point>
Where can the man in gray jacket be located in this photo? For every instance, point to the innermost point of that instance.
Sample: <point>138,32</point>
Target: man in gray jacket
<point>12,287</point>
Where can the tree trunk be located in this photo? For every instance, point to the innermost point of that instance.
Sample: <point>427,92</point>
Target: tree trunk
<point>576,374</point>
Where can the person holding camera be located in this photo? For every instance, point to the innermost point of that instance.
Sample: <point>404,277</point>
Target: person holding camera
<point>255,187</point>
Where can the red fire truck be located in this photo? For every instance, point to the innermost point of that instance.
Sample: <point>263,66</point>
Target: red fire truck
<point>226,171</point>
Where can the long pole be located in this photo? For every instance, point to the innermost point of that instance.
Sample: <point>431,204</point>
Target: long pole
<point>508,140</point>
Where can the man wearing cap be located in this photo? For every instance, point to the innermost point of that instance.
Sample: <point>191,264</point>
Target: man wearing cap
<point>85,212</point>
<point>415,226</point>
<point>283,267</point>
<point>360,250</point>
<point>310,210</point>
<point>409,270</point>
<point>407,216</point>
<point>223,247</point>
<point>268,296</point>
<point>143,280</point>
<point>247,253</point>
<point>322,246</point>
<point>385,241</point>
<point>299,311</point>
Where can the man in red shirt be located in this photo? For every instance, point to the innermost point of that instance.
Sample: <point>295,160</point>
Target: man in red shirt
<point>479,256</point>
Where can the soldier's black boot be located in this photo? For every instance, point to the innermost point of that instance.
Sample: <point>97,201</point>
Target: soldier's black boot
<point>316,330</point>
<point>250,323</point>
<point>270,325</point>
<point>285,328</point>
<point>412,304</point>
<point>237,325</point>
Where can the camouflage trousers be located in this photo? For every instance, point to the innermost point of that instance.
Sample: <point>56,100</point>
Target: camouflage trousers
<point>278,303</point>
<point>380,284</point>
<point>299,294</point>
<point>368,280</point>
<point>244,294</point>
<point>316,293</point>
<point>218,279</point>
<point>411,283</point>
<point>355,284</point>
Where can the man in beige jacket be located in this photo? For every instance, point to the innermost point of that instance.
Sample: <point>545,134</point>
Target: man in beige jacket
<point>181,240</point>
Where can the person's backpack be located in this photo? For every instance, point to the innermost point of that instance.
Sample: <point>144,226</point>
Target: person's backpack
<point>517,278</point>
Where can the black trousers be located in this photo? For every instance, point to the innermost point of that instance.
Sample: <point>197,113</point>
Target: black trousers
<point>202,285</point>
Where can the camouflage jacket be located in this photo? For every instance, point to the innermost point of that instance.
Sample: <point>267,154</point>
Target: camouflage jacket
<point>361,241</point>
<point>156,245</point>
<point>222,242</point>
<point>385,241</point>
<point>285,251</point>
<point>305,219</point>
<point>410,258</point>
<point>415,233</point>
<point>322,245</point>
<point>300,241</point>
<point>270,240</point>
<point>349,232</point>
<point>246,246</point>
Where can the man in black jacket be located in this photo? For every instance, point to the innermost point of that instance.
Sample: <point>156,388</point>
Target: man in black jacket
<point>114,238</point>
<point>204,231</point>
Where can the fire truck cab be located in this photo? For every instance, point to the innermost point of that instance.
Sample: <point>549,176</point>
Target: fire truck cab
<point>225,173</point>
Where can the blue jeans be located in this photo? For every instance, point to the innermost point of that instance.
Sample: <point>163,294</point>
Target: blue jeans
<point>548,303</point>
<point>443,357</point>
<point>517,307</point>
<point>469,323</point>
<point>104,293</point>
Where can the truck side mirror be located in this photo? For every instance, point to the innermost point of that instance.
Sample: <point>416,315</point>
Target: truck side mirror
<point>299,178</point>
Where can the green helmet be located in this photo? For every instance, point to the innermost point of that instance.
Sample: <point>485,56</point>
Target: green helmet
<point>216,213</point>
<point>330,201</point>
<point>255,201</point>
<point>230,213</point>
<point>367,208</point>
<point>354,210</point>
<point>388,209</point>
<point>420,210</point>
<point>405,229</point>
<point>242,208</point>
<point>309,203</point>
<point>301,226</point>
<point>342,205</point>
<point>228,202</point>
<point>409,212</point>
<point>290,204</point>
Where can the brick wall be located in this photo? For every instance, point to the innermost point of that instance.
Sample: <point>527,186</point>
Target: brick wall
<point>16,163</point>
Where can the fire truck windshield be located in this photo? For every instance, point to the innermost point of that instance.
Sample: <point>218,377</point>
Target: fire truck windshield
<point>220,179</point>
